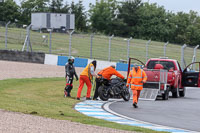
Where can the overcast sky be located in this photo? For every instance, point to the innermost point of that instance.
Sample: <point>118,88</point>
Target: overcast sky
<point>171,5</point>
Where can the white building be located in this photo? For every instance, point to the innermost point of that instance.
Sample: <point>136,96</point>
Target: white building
<point>52,20</point>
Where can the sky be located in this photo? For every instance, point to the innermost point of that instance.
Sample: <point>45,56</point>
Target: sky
<point>169,5</point>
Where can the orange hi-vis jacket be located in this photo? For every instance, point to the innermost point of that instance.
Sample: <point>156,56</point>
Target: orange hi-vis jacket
<point>135,79</point>
<point>108,72</point>
<point>86,71</point>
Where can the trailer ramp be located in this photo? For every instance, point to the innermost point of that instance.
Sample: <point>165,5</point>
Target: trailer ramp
<point>148,94</point>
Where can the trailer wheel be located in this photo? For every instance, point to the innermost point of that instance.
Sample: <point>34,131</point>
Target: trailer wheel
<point>182,93</point>
<point>165,96</point>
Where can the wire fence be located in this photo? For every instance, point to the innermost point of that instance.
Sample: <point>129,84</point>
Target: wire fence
<point>111,48</point>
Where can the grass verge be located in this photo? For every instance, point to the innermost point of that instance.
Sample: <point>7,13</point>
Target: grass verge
<point>44,97</point>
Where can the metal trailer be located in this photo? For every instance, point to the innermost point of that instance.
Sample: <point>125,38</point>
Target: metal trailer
<point>154,87</point>
<point>157,86</point>
<point>52,21</point>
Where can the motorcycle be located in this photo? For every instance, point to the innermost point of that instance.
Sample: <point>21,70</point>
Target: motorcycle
<point>114,88</point>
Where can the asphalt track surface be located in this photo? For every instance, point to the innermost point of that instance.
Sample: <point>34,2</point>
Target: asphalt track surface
<point>181,113</point>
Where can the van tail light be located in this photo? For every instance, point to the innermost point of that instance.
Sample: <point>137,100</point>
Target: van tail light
<point>173,75</point>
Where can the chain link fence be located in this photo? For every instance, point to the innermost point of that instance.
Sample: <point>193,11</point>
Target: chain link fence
<point>111,48</point>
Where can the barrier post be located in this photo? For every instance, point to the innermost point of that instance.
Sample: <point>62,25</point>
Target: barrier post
<point>128,48</point>
<point>91,42</point>
<point>6,35</point>
<point>182,56</point>
<point>109,50</point>
<point>70,42</point>
<point>147,49</point>
<point>50,39</point>
<point>28,37</point>
<point>165,46</point>
<point>194,56</point>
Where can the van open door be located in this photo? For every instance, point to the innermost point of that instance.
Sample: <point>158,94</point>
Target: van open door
<point>131,63</point>
<point>191,75</point>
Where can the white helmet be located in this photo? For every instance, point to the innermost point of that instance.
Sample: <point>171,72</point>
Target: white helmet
<point>71,59</point>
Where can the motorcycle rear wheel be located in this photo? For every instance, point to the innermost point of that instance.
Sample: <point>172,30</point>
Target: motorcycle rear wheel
<point>125,94</point>
<point>103,94</point>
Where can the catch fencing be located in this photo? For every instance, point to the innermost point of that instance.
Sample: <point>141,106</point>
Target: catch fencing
<point>93,46</point>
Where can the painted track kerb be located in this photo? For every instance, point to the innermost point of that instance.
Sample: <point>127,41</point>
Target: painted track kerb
<point>101,110</point>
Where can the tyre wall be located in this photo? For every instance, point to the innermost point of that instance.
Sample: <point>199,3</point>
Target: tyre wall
<point>33,57</point>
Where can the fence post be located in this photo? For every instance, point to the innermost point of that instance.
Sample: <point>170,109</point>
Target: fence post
<point>194,57</point>
<point>182,56</point>
<point>165,46</point>
<point>128,48</point>
<point>28,39</point>
<point>147,49</point>
<point>6,34</point>
<point>50,37</point>
<point>109,50</point>
<point>70,42</point>
<point>91,42</point>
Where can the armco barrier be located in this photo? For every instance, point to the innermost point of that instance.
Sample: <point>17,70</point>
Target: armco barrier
<point>51,59</point>
<point>102,64</point>
<point>122,67</point>
<point>36,57</point>
<point>81,62</point>
<point>33,57</point>
<point>62,60</point>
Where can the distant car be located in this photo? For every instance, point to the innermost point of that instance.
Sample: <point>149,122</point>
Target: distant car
<point>177,79</point>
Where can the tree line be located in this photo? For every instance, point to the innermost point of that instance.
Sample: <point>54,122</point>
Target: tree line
<point>130,18</point>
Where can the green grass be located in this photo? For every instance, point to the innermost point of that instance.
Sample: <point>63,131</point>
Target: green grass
<point>81,46</point>
<point>44,97</point>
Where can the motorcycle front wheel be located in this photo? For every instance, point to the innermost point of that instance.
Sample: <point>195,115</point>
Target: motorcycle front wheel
<point>125,94</point>
<point>103,94</point>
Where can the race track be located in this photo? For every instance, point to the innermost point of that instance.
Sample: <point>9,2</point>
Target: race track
<point>181,113</point>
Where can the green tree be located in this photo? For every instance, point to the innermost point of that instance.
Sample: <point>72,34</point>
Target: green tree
<point>56,6</point>
<point>66,8</point>
<point>152,23</point>
<point>9,11</point>
<point>30,6</point>
<point>103,16</point>
<point>129,14</point>
<point>80,15</point>
<point>188,28</point>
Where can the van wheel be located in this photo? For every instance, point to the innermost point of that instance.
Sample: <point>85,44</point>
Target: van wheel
<point>182,93</point>
<point>175,92</point>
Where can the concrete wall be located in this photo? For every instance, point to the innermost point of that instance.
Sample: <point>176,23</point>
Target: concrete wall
<point>33,57</point>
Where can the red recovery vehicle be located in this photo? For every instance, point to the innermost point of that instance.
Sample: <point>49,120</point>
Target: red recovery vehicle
<point>166,75</point>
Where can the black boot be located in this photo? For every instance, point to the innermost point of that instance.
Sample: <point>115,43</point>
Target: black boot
<point>135,105</point>
<point>65,92</point>
<point>88,98</point>
<point>69,91</point>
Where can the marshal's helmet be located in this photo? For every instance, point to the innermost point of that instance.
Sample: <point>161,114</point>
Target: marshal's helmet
<point>71,60</point>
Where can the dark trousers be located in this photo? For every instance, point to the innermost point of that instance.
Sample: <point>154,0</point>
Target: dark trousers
<point>69,85</point>
<point>96,89</point>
